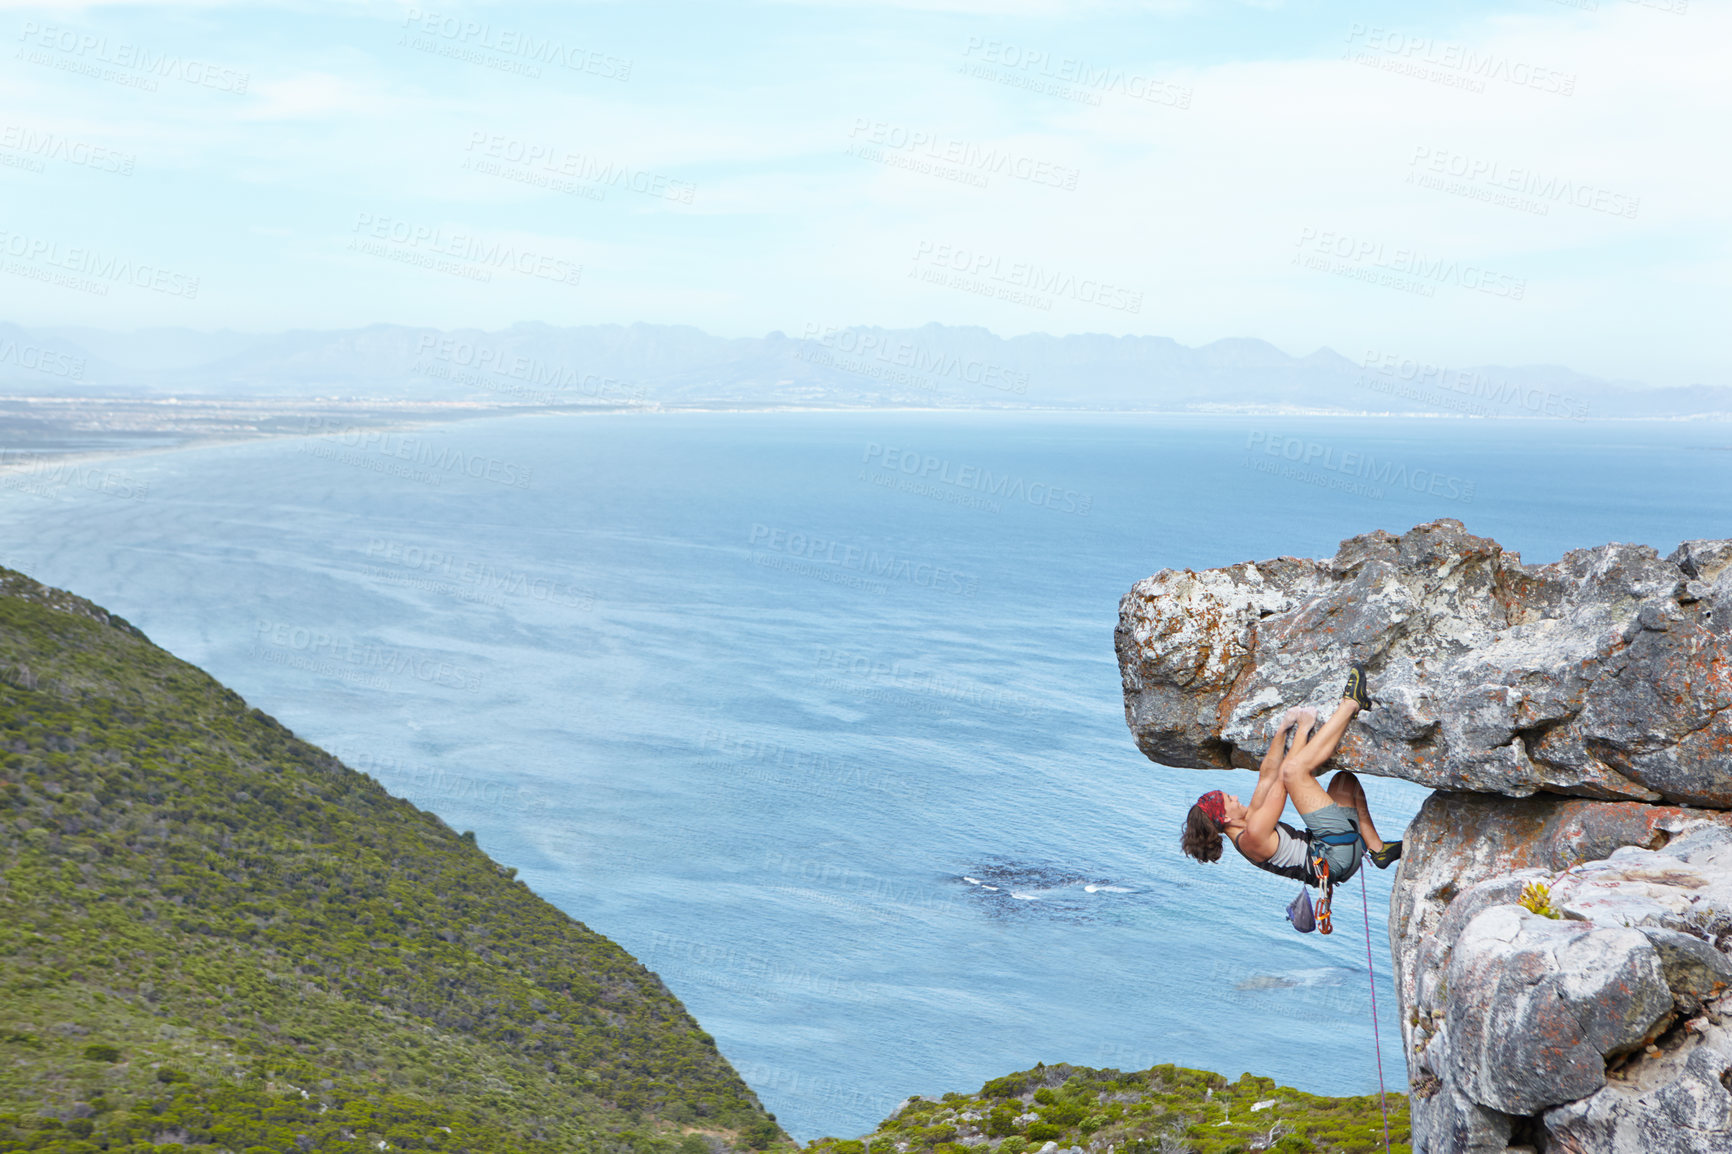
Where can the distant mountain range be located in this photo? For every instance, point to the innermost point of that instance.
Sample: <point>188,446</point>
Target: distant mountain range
<point>935,366</point>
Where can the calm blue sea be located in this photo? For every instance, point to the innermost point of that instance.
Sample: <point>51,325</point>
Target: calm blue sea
<point>818,714</point>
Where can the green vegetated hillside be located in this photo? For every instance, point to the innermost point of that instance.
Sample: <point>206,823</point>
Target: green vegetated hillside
<point>215,936</point>
<point>1163,1110</point>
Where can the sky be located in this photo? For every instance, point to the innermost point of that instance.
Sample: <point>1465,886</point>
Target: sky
<point>1533,182</point>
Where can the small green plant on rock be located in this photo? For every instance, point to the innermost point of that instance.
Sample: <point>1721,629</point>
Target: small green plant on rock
<point>1537,899</point>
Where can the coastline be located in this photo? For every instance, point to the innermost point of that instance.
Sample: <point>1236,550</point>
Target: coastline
<point>61,440</point>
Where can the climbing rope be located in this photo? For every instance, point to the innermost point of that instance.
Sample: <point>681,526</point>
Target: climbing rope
<point>1376,1034</point>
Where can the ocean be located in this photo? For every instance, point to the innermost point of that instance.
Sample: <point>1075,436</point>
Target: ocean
<point>818,714</point>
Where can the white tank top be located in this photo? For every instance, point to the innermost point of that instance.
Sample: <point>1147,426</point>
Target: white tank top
<point>1292,856</point>
<point>1290,852</point>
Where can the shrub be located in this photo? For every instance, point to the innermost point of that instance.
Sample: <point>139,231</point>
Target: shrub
<point>760,1134</point>
<point>1013,1146</point>
<point>100,1053</point>
<point>1043,1132</point>
<point>1062,1114</point>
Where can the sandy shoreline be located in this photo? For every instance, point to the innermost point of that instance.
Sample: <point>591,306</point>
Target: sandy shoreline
<point>56,436</point>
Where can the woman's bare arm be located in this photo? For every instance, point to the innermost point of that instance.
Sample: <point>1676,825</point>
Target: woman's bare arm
<point>1269,773</point>
<point>1258,840</point>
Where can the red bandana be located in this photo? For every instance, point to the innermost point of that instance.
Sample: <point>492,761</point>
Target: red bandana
<point>1214,803</point>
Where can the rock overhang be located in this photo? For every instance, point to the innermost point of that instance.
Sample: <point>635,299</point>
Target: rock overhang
<point>1606,674</point>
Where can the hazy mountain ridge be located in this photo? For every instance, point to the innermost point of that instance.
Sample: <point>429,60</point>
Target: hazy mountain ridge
<point>864,366</point>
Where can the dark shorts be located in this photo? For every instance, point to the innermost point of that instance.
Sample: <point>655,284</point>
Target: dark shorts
<point>1336,819</point>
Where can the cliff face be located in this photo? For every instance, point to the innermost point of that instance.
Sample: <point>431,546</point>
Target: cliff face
<point>1600,1025</point>
<point>1563,962</point>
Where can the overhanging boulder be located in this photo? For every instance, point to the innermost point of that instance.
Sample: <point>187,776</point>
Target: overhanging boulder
<point>1607,674</point>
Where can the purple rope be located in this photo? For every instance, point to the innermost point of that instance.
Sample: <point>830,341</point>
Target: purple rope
<point>1376,1036</point>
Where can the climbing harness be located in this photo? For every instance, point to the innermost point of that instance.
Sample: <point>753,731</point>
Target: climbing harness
<point>1320,867</point>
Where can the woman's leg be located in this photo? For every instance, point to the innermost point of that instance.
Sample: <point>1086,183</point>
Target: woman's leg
<point>1348,793</point>
<point>1302,762</point>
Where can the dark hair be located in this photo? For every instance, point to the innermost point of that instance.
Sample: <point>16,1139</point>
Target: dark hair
<point>1202,837</point>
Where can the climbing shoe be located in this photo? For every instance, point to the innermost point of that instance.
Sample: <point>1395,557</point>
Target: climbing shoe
<point>1357,688</point>
<point>1387,856</point>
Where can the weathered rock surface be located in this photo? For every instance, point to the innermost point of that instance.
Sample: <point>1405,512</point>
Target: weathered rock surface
<point>1607,674</point>
<point>1535,1006</point>
<point>1678,1105</point>
<point>1602,1029</point>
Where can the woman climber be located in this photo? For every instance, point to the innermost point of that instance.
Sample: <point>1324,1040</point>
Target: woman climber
<point>1338,826</point>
